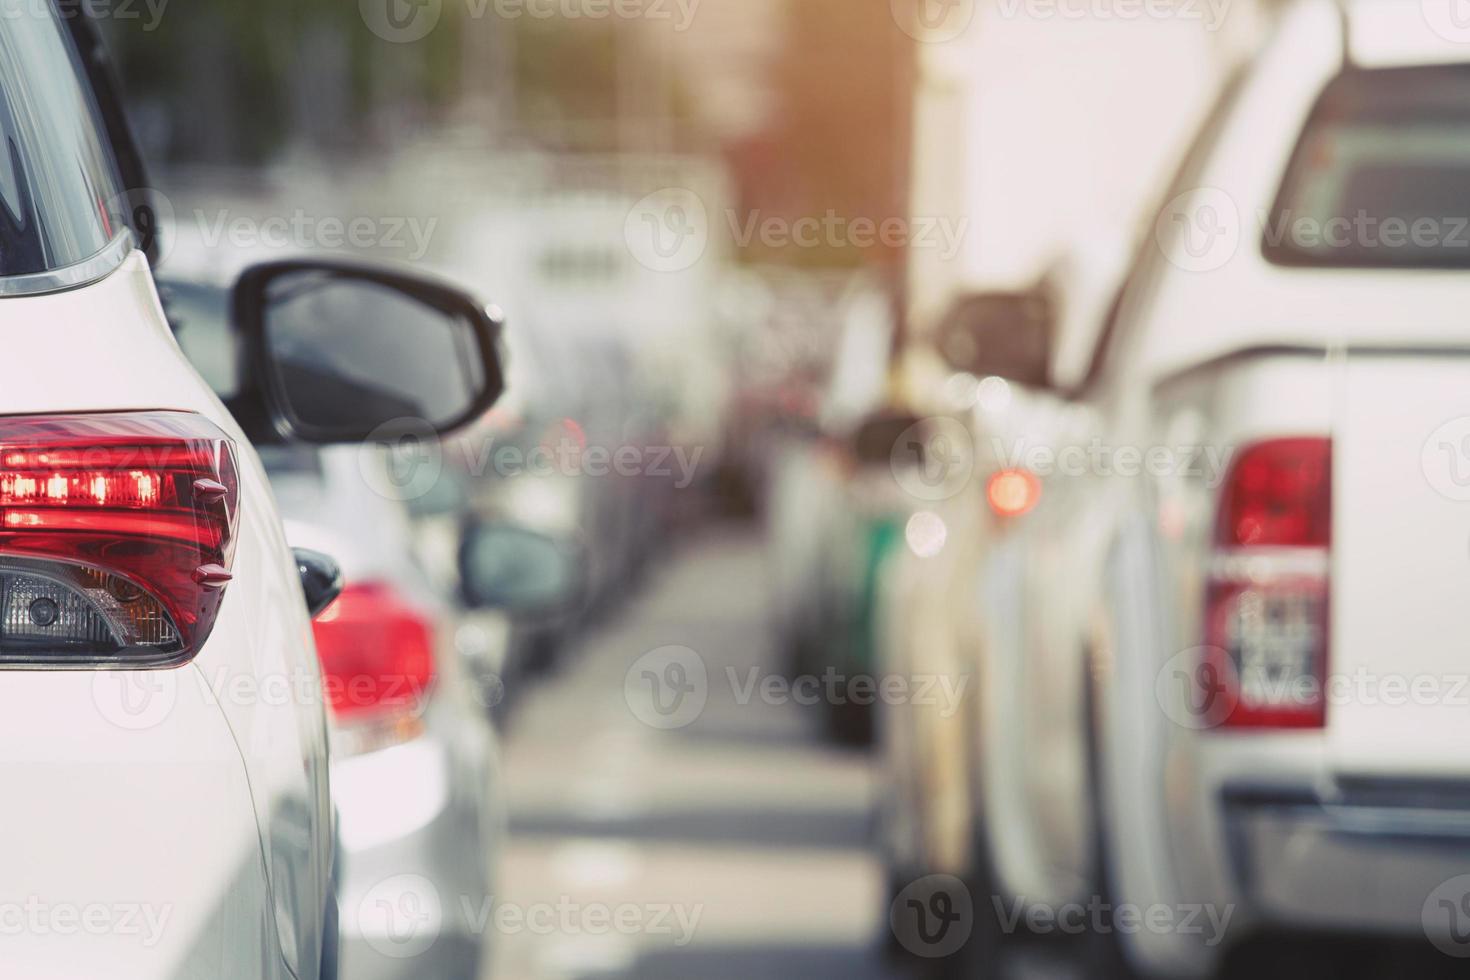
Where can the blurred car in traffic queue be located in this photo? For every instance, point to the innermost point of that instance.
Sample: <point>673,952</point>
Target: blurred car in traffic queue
<point>571,456</point>
<point>412,664</point>
<point>837,516</point>
<point>834,512</point>
<point>1170,656</point>
<point>147,584</point>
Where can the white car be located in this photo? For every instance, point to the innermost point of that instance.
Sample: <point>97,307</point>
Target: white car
<point>1220,667</point>
<point>415,770</point>
<point>164,816</point>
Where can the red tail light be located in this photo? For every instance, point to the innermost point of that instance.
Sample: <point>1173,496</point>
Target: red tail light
<point>117,534</point>
<point>1266,605</point>
<point>1279,494</point>
<point>1013,493</point>
<point>377,654</point>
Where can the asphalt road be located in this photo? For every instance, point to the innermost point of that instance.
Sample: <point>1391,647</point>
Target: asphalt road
<point>712,841</point>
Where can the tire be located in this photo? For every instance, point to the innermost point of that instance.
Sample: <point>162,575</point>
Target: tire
<point>1106,955</point>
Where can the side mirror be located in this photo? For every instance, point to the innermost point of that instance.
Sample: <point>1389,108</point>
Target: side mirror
<point>1008,335</point>
<point>339,350</point>
<point>523,572</point>
<point>321,579</point>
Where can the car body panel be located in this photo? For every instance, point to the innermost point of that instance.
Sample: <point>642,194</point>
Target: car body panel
<point>118,354</point>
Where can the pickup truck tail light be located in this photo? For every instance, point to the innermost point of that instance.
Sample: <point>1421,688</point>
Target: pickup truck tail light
<point>1267,600</point>
<point>377,655</point>
<point>117,537</point>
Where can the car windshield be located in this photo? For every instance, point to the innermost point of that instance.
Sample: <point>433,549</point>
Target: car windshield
<point>60,198</point>
<point>1381,177</point>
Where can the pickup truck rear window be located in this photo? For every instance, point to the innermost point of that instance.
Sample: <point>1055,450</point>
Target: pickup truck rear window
<point>60,196</point>
<point>1381,175</point>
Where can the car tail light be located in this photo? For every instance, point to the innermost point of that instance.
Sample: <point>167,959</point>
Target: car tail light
<point>117,536</point>
<point>1267,599</point>
<point>1013,493</point>
<point>377,654</point>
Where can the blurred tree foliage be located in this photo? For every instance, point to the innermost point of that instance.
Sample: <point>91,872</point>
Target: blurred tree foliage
<point>227,82</point>
<point>232,83</point>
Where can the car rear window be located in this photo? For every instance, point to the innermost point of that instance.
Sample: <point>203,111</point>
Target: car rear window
<point>1381,175</point>
<point>60,197</point>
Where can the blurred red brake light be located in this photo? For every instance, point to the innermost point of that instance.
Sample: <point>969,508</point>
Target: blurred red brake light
<point>376,652</point>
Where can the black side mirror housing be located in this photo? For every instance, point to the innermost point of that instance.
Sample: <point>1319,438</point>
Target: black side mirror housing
<point>1007,335</point>
<point>321,579</point>
<point>341,352</point>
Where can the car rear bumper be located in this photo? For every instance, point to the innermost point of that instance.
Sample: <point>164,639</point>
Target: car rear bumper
<point>414,882</point>
<point>1367,859</point>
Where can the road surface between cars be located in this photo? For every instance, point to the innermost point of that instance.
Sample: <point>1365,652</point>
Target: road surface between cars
<point>733,847</point>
